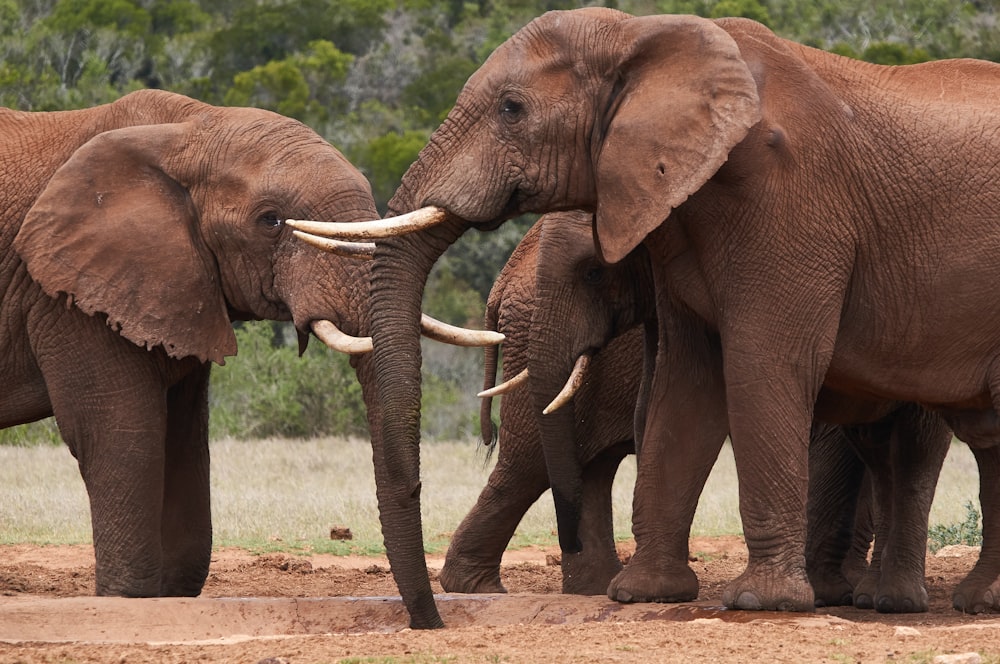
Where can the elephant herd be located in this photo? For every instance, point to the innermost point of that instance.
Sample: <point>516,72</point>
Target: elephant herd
<point>742,237</point>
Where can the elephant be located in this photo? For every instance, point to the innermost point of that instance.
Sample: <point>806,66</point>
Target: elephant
<point>554,299</point>
<point>813,222</point>
<point>602,419</point>
<point>134,234</point>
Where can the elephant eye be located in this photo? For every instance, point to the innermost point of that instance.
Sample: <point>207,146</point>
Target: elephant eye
<point>510,108</point>
<point>593,276</point>
<point>271,220</point>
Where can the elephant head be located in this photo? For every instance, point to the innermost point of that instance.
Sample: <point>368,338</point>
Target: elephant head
<point>581,305</point>
<point>556,119</point>
<point>169,221</point>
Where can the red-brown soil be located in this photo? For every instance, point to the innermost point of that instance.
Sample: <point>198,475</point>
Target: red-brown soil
<point>280,608</point>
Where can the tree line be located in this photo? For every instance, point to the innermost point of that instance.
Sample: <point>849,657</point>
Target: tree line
<point>375,77</point>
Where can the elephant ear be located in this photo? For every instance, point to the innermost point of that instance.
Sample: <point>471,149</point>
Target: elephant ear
<point>117,234</point>
<point>682,98</point>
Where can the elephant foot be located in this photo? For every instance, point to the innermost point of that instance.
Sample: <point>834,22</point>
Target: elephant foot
<point>887,593</point>
<point>462,576</point>
<point>768,588</point>
<point>832,590</point>
<point>585,574</point>
<point>912,600</point>
<point>866,590</point>
<point>977,593</point>
<point>639,582</point>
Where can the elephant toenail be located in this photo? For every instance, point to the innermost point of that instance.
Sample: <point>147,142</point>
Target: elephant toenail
<point>748,602</point>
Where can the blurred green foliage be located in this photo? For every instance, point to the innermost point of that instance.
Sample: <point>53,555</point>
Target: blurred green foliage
<point>375,77</point>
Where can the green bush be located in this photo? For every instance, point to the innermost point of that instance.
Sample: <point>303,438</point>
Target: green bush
<point>268,390</point>
<point>967,532</point>
<point>43,432</point>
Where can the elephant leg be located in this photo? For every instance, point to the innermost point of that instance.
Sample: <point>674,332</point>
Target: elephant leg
<point>109,401</point>
<point>472,564</point>
<point>836,475</point>
<point>590,571</point>
<point>855,564</point>
<point>187,511</point>
<point>919,444</point>
<point>872,443</point>
<point>686,426</point>
<point>116,431</point>
<point>979,592</point>
<point>770,411</point>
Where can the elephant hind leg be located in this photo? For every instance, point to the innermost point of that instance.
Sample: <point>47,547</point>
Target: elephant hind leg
<point>979,592</point>
<point>836,479</point>
<point>186,523</point>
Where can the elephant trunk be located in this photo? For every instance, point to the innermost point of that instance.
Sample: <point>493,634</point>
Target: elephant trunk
<point>548,369</point>
<point>399,273</point>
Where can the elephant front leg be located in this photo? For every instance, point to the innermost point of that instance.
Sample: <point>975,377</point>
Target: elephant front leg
<point>114,422</point>
<point>685,428</point>
<point>186,530</point>
<point>979,592</point>
<point>770,411</point>
<point>472,564</point>
<point>590,571</point>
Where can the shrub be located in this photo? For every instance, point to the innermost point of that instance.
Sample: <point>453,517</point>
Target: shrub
<point>967,532</point>
<point>267,390</point>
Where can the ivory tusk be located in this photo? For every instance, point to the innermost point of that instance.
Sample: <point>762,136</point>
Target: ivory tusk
<point>362,250</point>
<point>457,336</point>
<point>573,384</point>
<point>337,340</point>
<point>373,230</point>
<point>505,387</point>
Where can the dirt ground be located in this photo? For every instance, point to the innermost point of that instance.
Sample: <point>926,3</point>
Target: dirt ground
<point>276,608</point>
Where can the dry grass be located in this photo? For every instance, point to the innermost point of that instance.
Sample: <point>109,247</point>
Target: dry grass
<point>288,493</point>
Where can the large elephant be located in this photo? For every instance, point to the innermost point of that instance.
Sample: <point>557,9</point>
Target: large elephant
<point>133,234</point>
<point>560,308</point>
<point>812,221</point>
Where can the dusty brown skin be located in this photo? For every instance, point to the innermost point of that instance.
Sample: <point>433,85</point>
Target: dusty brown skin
<point>132,235</point>
<point>554,301</point>
<point>811,221</point>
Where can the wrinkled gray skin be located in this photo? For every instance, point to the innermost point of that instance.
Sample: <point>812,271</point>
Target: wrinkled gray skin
<point>811,221</point>
<point>584,307</point>
<point>133,234</point>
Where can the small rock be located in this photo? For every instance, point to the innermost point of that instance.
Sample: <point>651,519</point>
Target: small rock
<point>273,660</point>
<point>961,658</point>
<point>907,631</point>
<point>341,533</point>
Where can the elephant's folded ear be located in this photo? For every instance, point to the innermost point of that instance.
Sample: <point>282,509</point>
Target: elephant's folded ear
<point>118,235</point>
<point>682,98</point>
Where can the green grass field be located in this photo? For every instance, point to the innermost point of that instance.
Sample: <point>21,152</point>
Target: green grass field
<point>286,494</point>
